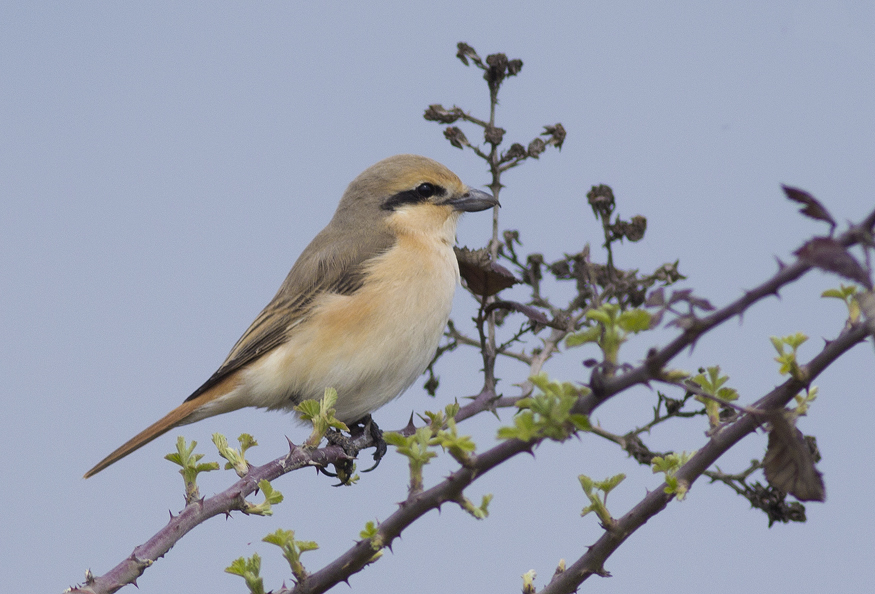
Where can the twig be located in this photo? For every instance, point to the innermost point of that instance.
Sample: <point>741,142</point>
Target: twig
<point>592,562</point>
<point>197,512</point>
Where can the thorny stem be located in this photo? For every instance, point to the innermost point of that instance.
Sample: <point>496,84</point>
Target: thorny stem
<point>657,359</point>
<point>197,512</point>
<point>592,562</point>
<point>495,187</point>
<point>730,480</point>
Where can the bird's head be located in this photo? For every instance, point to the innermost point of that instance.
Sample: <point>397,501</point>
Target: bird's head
<point>410,193</point>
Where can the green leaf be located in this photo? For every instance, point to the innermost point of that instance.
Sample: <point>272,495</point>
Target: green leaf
<point>479,512</point>
<point>395,439</point>
<point>804,399</point>
<point>248,569</point>
<point>236,459</point>
<point>602,315</point>
<point>416,448</point>
<point>547,415</point>
<point>788,359</point>
<point>587,483</point>
<point>609,484</point>
<point>635,320</point>
<point>597,493</point>
<point>371,530</point>
<point>292,550</point>
<point>188,460</point>
<point>591,334</point>
<point>321,415</point>
<point>271,497</point>
<point>457,445</point>
<point>778,344</point>
<point>669,465</point>
<point>308,410</point>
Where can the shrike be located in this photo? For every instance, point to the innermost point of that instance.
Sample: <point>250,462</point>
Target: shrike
<point>361,311</point>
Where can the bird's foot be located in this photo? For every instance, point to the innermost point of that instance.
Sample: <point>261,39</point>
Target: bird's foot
<point>351,446</point>
<point>345,468</point>
<point>369,426</point>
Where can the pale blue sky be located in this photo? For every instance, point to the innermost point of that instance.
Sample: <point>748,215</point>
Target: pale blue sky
<point>163,164</point>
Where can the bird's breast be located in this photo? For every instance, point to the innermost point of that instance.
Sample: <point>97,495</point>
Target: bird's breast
<point>370,345</point>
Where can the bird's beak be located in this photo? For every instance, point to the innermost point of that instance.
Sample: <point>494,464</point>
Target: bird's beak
<point>473,201</point>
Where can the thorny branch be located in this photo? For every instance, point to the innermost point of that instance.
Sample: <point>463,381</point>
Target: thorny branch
<point>449,490</point>
<point>592,562</point>
<point>195,513</point>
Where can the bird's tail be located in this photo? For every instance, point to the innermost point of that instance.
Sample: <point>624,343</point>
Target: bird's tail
<point>174,418</point>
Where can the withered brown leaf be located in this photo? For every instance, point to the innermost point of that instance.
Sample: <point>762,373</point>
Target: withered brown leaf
<point>482,276</point>
<point>788,464</point>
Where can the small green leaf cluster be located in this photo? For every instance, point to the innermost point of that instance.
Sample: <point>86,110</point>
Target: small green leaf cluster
<point>597,493</point>
<point>548,414</point>
<point>188,460</point>
<point>292,550</point>
<point>787,359</point>
<point>669,465</point>
<point>438,420</point>
<point>441,431</point>
<point>847,294</point>
<point>803,400</point>
<point>419,449</point>
<point>478,512</point>
<point>459,446</point>
<point>611,328</point>
<point>249,570</point>
<point>321,415</point>
<point>529,581</point>
<point>712,383</point>
<point>271,497</point>
<point>372,532</point>
<point>443,427</point>
<point>236,459</point>
<point>416,448</point>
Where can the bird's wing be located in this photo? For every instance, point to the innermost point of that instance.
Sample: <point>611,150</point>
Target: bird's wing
<point>334,262</point>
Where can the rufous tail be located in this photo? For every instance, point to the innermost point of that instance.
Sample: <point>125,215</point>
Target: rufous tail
<point>178,416</point>
<point>174,418</point>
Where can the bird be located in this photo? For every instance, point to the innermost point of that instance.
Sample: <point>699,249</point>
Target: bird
<point>361,311</point>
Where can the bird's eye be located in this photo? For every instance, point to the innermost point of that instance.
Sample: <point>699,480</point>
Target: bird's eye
<point>425,190</point>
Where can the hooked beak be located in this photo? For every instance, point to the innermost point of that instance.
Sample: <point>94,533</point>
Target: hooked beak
<point>473,201</point>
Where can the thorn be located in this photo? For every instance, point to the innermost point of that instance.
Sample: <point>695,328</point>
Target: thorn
<point>410,428</point>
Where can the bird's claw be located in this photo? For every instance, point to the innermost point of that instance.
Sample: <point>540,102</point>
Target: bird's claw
<point>379,443</point>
